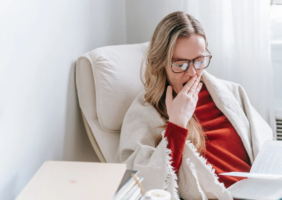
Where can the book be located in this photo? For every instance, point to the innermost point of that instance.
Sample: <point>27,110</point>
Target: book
<point>136,194</point>
<point>133,190</point>
<point>74,180</point>
<point>126,178</point>
<point>264,181</point>
<point>126,185</point>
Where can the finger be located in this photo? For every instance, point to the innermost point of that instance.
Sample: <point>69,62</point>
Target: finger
<point>168,99</point>
<point>188,85</point>
<point>198,89</point>
<point>194,86</point>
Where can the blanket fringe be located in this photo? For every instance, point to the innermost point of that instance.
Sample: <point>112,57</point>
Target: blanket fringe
<point>171,177</point>
<point>208,166</point>
<point>193,170</point>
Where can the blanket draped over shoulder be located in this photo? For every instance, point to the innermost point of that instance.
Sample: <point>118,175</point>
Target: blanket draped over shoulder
<point>195,179</point>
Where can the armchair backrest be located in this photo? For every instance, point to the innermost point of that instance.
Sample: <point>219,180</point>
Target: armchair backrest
<point>108,79</point>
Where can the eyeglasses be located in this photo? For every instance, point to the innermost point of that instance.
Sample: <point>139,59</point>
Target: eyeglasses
<point>201,62</point>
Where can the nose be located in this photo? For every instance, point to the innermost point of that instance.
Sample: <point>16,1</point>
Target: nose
<point>191,70</point>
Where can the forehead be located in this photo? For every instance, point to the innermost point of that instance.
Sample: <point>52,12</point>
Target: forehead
<point>189,47</point>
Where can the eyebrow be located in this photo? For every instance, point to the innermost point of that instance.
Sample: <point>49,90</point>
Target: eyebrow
<point>187,59</point>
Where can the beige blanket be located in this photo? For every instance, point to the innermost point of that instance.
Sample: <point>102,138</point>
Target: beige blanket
<point>195,179</point>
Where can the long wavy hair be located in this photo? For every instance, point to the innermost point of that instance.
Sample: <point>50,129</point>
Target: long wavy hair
<point>159,55</point>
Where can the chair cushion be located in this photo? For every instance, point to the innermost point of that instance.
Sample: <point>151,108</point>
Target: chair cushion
<point>116,71</point>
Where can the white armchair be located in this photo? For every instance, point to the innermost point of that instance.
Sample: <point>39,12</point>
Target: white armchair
<point>107,80</point>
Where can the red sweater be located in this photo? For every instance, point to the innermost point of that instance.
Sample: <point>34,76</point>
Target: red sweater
<point>224,148</point>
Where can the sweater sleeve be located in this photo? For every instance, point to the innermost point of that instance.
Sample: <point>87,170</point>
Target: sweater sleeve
<point>176,137</point>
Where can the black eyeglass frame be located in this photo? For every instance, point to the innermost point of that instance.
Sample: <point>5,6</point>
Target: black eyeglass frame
<point>189,61</point>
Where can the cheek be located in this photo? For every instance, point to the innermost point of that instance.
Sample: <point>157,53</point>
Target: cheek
<point>174,78</point>
<point>177,77</point>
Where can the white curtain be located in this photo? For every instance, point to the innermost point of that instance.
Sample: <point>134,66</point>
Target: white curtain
<point>238,33</point>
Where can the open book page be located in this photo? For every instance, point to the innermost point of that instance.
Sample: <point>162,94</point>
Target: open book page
<point>253,175</point>
<point>269,159</point>
<point>257,189</point>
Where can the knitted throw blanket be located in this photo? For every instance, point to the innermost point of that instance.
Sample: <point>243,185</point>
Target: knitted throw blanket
<point>196,179</point>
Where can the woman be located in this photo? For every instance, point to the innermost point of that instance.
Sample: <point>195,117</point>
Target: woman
<point>187,127</point>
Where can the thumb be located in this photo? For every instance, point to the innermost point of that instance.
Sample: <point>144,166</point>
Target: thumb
<point>168,98</point>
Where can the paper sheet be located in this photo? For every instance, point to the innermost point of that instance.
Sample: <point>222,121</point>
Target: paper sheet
<point>269,159</point>
<point>253,175</point>
<point>257,189</point>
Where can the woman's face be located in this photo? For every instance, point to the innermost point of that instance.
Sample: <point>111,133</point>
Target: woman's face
<point>186,48</point>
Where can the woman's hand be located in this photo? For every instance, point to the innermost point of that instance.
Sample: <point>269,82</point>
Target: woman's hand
<point>181,108</point>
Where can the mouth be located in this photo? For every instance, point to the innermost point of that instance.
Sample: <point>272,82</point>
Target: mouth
<point>184,83</point>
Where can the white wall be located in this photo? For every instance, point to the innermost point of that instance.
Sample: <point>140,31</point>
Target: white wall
<point>39,115</point>
<point>142,17</point>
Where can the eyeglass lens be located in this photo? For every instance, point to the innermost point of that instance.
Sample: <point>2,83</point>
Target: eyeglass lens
<point>200,63</point>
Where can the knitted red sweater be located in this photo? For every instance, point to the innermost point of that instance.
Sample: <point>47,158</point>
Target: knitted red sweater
<point>224,148</point>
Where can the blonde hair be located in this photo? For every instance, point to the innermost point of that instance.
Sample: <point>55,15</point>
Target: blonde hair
<point>159,55</point>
